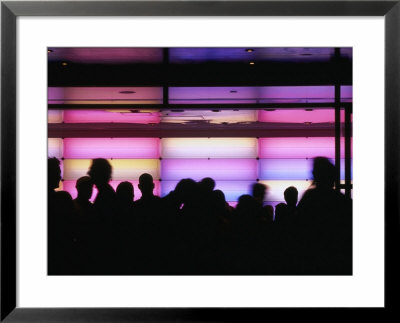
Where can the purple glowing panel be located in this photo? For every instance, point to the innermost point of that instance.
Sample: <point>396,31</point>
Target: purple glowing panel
<point>285,169</point>
<point>193,95</point>
<point>218,169</point>
<point>111,148</point>
<point>106,95</point>
<point>54,116</point>
<point>106,55</point>
<point>69,186</point>
<point>296,147</point>
<point>104,116</point>
<point>54,147</point>
<point>232,189</point>
<point>346,93</point>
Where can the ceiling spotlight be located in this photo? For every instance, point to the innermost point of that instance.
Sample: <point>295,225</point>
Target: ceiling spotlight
<point>64,63</point>
<point>251,63</point>
<point>49,50</point>
<point>307,122</point>
<point>249,50</point>
<point>127,92</point>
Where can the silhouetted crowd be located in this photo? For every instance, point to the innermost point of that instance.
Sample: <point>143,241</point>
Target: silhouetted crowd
<point>194,231</point>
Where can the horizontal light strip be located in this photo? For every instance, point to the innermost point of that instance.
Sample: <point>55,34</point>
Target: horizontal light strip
<point>69,186</point>
<point>123,169</point>
<point>209,148</point>
<point>299,147</point>
<point>105,116</point>
<point>285,169</point>
<point>218,169</point>
<point>111,148</point>
<point>54,147</point>
<point>232,189</point>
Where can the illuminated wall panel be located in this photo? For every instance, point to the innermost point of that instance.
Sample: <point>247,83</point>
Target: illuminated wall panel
<point>277,188</point>
<point>69,186</point>
<point>54,116</point>
<point>218,169</point>
<point>232,189</point>
<point>297,147</point>
<point>285,169</point>
<point>111,148</point>
<point>55,147</point>
<point>104,116</point>
<point>209,148</point>
<point>123,169</point>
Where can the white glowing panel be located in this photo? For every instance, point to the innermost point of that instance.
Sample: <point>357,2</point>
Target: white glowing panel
<point>218,169</point>
<point>54,147</point>
<point>277,188</point>
<point>123,169</point>
<point>209,148</point>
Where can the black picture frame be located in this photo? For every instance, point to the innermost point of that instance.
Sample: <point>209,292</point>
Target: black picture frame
<point>10,10</point>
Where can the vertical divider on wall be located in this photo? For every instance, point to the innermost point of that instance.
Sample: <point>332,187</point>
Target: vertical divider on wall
<point>337,127</point>
<point>347,145</point>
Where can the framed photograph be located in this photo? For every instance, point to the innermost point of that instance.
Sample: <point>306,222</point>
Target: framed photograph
<point>199,158</point>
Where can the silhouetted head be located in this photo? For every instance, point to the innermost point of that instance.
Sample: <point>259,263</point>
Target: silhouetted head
<point>186,190</point>
<point>246,204</point>
<point>146,184</point>
<point>100,171</point>
<point>54,173</point>
<point>207,185</point>
<point>291,196</point>
<point>125,192</point>
<point>323,172</point>
<point>258,191</point>
<point>84,186</point>
<point>218,199</point>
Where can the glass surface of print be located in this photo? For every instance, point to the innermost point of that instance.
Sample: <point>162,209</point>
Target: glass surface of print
<point>219,173</point>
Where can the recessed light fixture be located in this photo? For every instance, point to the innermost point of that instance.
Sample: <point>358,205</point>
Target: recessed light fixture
<point>309,109</point>
<point>305,54</point>
<point>233,91</point>
<point>49,50</point>
<point>251,63</point>
<point>249,50</point>
<point>307,122</point>
<point>64,63</point>
<point>127,92</point>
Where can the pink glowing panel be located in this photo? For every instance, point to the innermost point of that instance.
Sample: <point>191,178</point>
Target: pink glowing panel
<point>218,169</point>
<point>285,169</point>
<point>69,186</point>
<point>297,147</point>
<point>193,95</point>
<point>232,189</point>
<point>297,116</point>
<point>209,148</point>
<point>276,188</point>
<point>123,169</point>
<point>111,148</point>
<point>104,95</point>
<point>107,116</point>
<point>54,116</point>
<point>54,147</point>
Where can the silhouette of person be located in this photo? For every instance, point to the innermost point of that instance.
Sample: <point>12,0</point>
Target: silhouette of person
<point>106,200</point>
<point>125,195</point>
<point>84,187</point>
<point>266,213</point>
<point>60,218</point>
<point>326,223</point>
<point>284,213</point>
